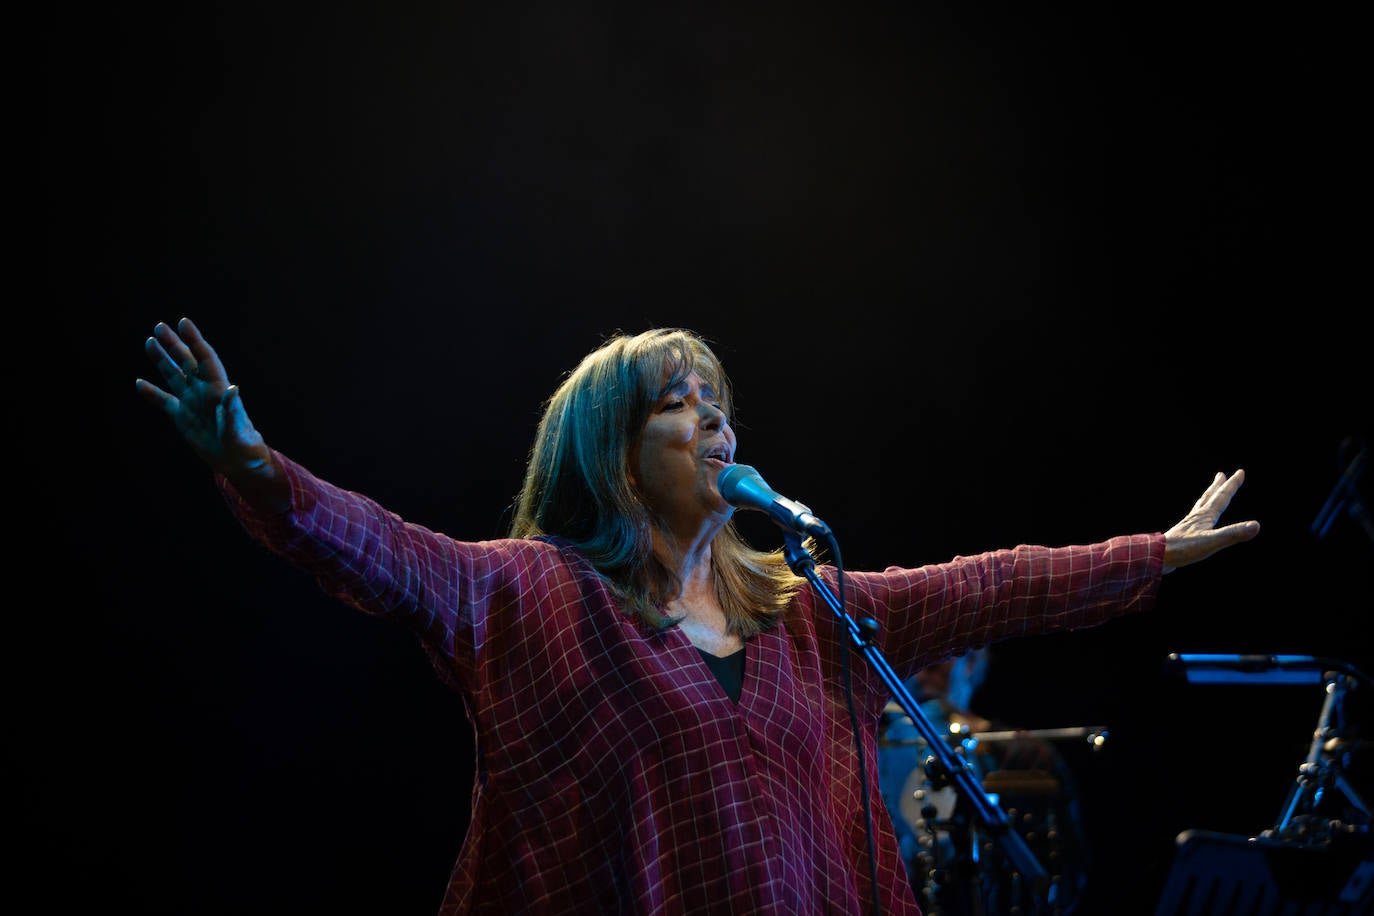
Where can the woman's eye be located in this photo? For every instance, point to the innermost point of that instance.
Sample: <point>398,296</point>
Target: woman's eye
<point>672,405</point>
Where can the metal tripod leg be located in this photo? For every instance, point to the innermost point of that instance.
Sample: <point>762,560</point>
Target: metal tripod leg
<point>1322,770</point>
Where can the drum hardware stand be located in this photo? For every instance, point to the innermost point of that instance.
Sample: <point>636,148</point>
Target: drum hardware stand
<point>961,869</point>
<point>1315,835</point>
<point>943,760</point>
<point>1321,775</point>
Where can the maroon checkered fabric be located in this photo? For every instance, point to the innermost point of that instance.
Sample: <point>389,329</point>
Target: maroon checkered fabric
<point>613,773</point>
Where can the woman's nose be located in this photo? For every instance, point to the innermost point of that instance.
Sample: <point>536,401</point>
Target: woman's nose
<point>712,416</point>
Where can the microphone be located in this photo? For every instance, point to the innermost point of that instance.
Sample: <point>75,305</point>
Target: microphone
<point>1345,496</point>
<point>744,488</point>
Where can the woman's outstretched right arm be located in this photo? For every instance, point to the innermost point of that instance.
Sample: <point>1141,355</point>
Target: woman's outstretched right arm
<point>209,413</point>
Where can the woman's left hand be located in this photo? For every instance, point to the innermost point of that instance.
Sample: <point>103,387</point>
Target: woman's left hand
<point>1196,537</point>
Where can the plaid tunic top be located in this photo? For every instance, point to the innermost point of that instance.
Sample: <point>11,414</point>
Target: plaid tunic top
<point>613,774</point>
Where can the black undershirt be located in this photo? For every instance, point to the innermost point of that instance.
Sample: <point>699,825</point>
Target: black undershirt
<point>728,670</point>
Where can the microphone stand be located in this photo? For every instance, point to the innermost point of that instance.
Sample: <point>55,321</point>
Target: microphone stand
<point>945,767</point>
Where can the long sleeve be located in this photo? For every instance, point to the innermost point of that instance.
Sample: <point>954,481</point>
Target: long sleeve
<point>614,775</point>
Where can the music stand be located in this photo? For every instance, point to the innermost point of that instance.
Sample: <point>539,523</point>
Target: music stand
<point>1219,874</point>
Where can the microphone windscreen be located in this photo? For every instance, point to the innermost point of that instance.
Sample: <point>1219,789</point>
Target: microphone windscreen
<point>732,478</point>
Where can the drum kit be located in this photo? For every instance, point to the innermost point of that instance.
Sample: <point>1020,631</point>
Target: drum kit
<point>954,867</point>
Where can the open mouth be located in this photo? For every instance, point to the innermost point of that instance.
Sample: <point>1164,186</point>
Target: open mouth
<point>718,456</point>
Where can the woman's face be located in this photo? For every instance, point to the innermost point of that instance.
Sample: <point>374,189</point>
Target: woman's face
<point>685,443</point>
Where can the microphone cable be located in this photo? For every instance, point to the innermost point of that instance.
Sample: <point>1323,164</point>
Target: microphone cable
<point>854,727</point>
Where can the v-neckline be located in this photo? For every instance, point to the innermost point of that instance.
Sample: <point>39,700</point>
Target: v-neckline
<point>746,664</point>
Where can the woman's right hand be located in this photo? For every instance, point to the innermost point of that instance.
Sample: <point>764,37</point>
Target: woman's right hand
<point>208,412</point>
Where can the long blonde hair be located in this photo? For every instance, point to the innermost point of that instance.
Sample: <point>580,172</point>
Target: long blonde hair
<point>577,482</point>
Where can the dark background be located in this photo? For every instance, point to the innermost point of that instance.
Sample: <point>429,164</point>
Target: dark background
<point>981,276</point>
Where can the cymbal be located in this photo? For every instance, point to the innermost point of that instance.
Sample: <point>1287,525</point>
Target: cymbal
<point>1091,732</point>
<point>1045,734</point>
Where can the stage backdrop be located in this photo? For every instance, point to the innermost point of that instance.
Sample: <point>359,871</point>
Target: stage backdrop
<point>982,276</point>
